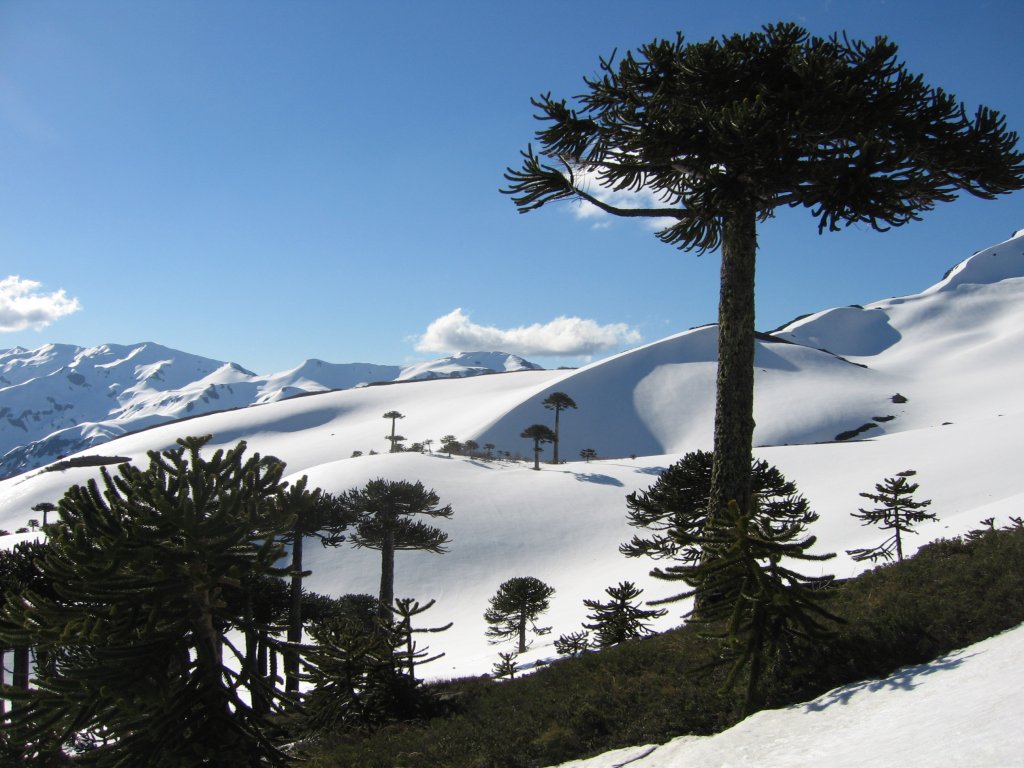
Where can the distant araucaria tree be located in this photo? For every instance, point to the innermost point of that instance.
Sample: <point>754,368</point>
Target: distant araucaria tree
<point>896,511</point>
<point>394,439</point>
<point>539,433</point>
<point>557,402</point>
<point>515,607</point>
<point>621,618</point>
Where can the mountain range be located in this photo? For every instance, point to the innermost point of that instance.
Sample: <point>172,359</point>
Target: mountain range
<point>60,399</point>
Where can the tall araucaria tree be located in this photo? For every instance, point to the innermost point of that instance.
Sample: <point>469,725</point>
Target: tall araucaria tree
<point>383,512</point>
<point>315,514</point>
<point>724,132</point>
<point>557,402</point>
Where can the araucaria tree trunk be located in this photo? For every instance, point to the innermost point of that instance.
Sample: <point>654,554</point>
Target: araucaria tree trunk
<point>554,443</point>
<point>734,401</point>
<point>387,577</point>
<point>291,659</point>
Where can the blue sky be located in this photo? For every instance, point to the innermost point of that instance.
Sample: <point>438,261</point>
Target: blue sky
<point>265,182</point>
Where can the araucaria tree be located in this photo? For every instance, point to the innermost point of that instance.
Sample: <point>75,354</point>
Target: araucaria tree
<point>137,669</point>
<point>897,511</point>
<point>621,618</point>
<point>574,644</point>
<point>394,439</point>
<point>539,433</point>
<point>450,444</point>
<point>514,610</point>
<point>364,672</point>
<point>724,132</point>
<point>557,402</point>
<point>408,653</point>
<point>47,509</point>
<point>383,512</point>
<point>754,603</point>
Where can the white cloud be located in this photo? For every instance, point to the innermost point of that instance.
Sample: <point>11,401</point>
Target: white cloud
<point>23,306</point>
<point>561,337</point>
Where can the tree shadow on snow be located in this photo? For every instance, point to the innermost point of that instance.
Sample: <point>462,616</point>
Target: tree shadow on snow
<point>906,679</point>
<point>593,477</point>
<point>483,464</point>
<point>656,471</point>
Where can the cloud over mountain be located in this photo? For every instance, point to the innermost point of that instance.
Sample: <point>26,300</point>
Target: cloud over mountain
<point>563,336</point>
<point>23,306</point>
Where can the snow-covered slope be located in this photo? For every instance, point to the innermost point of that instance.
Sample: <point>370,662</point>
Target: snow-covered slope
<point>948,349</point>
<point>60,399</point>
<point>954,354</point>
<point>960,710</point>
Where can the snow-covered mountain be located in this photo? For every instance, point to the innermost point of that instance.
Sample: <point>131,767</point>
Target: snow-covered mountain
<point>60,399</point>
<point>929,382</point>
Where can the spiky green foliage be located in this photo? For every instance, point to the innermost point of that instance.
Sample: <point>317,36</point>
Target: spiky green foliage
<point>363,671</point>
<point>262,607</point>
<point>676,506</point>
<point>383,512</point>
<point>765,604</point>
<point>515,607</point>
<point>352,670</point>
<point>408,651</point>
<point>573,644</point>
<point>896,511</point>
<point>722,133</point>
<point>621,618</point>
<point>506,665</point>
<point>20,573</point>
<point>138,668</point>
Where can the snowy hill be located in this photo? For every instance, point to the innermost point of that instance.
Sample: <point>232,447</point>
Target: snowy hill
<point>60,399</point>
<point>953,353</point>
